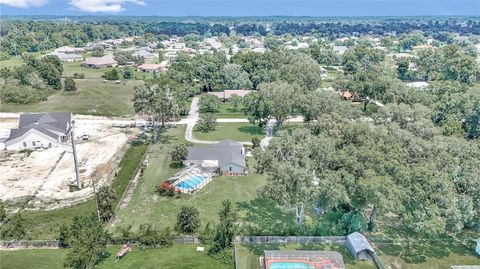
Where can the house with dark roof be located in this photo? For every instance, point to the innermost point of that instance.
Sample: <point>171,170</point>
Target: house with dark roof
<point>41,130</point>
<point>226,157</point>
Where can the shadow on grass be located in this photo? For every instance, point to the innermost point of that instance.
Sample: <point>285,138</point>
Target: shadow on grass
<point>414,248</point>
<point>258,249</point>
<point>251,130</point>
<point>265,217</point>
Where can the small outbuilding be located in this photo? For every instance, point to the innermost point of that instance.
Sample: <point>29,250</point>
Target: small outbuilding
<point>359,247</point>
<point>478,247</point>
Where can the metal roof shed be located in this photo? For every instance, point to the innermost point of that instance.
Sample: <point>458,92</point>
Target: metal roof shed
<point>359,247</point>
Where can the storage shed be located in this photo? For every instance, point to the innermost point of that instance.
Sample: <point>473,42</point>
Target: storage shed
<point>359,247</point>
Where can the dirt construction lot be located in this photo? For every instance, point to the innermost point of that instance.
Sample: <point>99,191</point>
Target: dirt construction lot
<point>43,179</point>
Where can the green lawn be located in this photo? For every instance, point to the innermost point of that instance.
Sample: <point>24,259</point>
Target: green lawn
<point>226,112</point>
<point>146,206</point>
<point>236,131</point>
<point>45,224</point>
<point>176,257</point>
<point>248,254</point>
<point>93,97</point>
<point>12,62</point>
<point>432,256</point>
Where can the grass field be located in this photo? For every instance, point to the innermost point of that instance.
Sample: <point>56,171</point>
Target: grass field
<point>432,256</point>
<point>12,62</point>
<point>93,97</point>
<point>226,112</point>
<point>248,254</point>
<point>45,224</point>
<point>176,257</point>
<point>234,131</point>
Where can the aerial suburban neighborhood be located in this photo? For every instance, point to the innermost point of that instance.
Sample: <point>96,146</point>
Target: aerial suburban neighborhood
<point>240,134</point>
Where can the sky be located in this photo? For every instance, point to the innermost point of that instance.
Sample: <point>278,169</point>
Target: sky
<point>322,8</point>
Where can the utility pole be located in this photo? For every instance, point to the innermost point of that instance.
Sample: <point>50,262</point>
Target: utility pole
<point>72,137</point>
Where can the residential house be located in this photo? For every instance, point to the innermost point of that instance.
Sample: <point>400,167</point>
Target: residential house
<point>146,54</point>
<point>226,157</point>
<point>67,57</point>
<point>68,50</point>
<point>41,130</point>
<point>340,49</point>
<point>150,68</point>
<point>100,62</point>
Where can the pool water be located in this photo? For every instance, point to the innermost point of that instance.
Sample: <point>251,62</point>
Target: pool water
<point>191,182</point>
<point>289,265</point>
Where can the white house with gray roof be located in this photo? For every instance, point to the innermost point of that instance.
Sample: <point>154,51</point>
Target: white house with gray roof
<point>42,130</point>
<point>226,157</point>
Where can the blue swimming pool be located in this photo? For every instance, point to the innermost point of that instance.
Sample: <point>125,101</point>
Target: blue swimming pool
<point>289,265</point>
<point>191,182</point>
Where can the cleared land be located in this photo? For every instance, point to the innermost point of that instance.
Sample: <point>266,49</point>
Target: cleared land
<point>45,224</point>
<point>93,97</point>
<point>178,256</point>
<point>41,179</point>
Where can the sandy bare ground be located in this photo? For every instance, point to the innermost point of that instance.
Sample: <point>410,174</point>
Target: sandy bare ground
<point>42,179</point>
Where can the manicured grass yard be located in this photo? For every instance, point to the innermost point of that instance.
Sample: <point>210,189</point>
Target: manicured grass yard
<point>45,224</point>
<point>236,131</point>
<point>248,254</point>
<point>93,97</point>
<point>226,112</point>
<point>13,61</point>
<point>176,257</point>
<point>147,206</point>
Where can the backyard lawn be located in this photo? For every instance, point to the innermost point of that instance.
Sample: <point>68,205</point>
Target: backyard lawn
<point>178,256</point>
<point>93,97</point>
<point>242,131</point>
<point>146,206</point>
<point>248,254</point>
<point>226,112</point>
<point>423,255</point>
<point>45,224</point>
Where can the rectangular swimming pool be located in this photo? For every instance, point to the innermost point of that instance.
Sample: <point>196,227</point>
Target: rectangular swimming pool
<point>191,182</point>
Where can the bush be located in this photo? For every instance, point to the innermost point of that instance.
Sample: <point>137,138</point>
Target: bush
<point>166,188</point>
<point>14,228</point>
<point>63,236</point>
<point>69,85</point>
<point>206,123</point>
<point>255,142</point>
<point>150,237</point>
<point>79,75</point>
<point>188,220</point>
<point>111,75</point>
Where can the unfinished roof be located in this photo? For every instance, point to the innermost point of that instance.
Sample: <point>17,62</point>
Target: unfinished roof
<point>359,243</point>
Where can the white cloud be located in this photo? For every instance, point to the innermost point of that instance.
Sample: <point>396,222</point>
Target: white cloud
<point>109,6</point>
<point>24,3</point>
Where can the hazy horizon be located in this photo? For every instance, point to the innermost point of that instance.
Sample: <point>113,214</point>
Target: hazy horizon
<point>238,8</point>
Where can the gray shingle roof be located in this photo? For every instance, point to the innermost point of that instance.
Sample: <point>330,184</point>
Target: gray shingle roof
<point>225,152</point>
<point>45,123</point>
<point>57,121</point>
